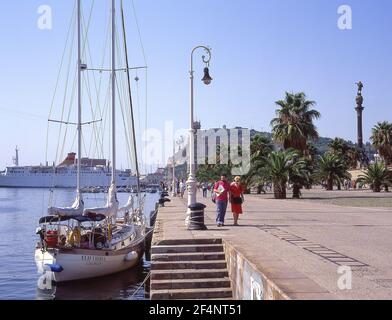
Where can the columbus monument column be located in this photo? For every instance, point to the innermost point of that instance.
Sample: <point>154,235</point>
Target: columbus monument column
<point>359,109</point>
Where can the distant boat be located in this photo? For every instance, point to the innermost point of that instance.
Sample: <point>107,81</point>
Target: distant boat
<point>153,188</point>
<point>95,172</point>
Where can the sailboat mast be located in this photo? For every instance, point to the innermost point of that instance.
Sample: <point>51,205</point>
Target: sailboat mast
<point>130,101</point>
<point>79,98</point>
<point>113,91</point>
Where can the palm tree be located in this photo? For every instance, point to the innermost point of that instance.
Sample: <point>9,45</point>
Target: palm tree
<point>376,175</point>
<point>300,177</point>
<point>312,156</point>
<point>212,172</point>
<point>260,148</point>
<point>332,169</point>
<point>338,146</point>
<point>353,156</point>
<point>389,180</point>
<point>382,140</point>
<point>293,126</point>
<point>260,145</point>
<point>280,166</point>
<point>312,152</point>
<point>251,179</point>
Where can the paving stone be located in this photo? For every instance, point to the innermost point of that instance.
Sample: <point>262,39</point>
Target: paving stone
<point>317,232</point>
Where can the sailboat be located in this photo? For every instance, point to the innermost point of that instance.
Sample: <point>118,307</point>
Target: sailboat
<point>80,243</point>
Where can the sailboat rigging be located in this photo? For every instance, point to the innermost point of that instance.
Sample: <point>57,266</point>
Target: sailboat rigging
<point>130,98</point>
<point>78,242</point>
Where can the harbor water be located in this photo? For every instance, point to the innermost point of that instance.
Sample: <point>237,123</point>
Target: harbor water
<point>20,211</point>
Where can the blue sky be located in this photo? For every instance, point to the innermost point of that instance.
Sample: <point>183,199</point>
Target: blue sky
<point>261,48</point>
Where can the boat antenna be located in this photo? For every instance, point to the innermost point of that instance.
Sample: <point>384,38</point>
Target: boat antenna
<point>130,101</point>
<point>16,159</point>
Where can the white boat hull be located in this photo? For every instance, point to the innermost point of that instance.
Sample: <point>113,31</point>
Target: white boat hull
<point>85,264</point>
<point>68,180</point>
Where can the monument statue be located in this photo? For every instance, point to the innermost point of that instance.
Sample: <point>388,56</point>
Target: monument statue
<point>360,87</point>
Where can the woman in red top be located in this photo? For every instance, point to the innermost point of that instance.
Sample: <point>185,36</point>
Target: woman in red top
<point>221,190</point>
<point>237,198</point>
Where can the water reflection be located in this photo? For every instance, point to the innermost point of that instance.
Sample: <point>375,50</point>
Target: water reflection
<point>20,210</point>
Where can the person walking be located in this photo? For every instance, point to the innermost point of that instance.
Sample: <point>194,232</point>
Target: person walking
<point>178,190</point>
<point>222,193</point>
<point>182,188</point>
<point>236,199</point>
<point>205,189</point>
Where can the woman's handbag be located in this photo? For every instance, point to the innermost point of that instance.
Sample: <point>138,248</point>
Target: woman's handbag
<point>238,200</point>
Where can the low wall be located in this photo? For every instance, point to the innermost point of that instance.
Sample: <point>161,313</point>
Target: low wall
<point>248,282</point>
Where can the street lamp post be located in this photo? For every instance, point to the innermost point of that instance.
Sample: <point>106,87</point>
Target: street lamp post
<point>174,169</point>
<point>191,183</point>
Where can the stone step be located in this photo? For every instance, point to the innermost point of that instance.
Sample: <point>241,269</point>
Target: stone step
<point>177,242</point>
<point>188,274</point>
<point>231,298</point>
<point>187,248</point>
<point>176,265</point>
<point>189,256</point>
<point>190,284</point>
<point>191,294</point>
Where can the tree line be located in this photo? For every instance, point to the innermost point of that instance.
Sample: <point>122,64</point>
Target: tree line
<point>291,157</point>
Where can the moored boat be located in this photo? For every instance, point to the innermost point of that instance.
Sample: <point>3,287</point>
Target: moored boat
<point>80,243</point>
<point>78,247</point>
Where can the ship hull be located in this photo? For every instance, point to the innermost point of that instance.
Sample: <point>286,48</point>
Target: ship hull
<point>62,181</point>
<point>86,264</point>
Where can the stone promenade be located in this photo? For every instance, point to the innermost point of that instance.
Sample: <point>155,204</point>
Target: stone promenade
<point>300,245</point>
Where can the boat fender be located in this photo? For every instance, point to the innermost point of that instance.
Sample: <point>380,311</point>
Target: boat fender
<point>54,268</point>
<point>131,256</point>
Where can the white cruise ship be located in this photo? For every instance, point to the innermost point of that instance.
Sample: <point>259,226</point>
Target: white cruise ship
<point>94,173</point>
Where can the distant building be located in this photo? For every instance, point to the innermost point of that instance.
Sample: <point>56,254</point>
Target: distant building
<point>154,178</point>
<point>215,137</point>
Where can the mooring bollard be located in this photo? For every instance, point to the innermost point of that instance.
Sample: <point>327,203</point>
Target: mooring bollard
<point>196,217</point>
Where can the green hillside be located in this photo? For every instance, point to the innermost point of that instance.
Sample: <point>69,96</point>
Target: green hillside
<point>323,142</point>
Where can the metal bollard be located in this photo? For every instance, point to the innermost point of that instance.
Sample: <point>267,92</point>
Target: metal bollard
<point>196,218</point>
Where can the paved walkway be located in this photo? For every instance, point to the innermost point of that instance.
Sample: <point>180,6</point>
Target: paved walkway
<point>296,240</point>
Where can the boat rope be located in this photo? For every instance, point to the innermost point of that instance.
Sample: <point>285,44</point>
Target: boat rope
<point>141,285</point>
<point>65,100</point>
<point>146,74</point>
<point>58,77</point>
<point>65,94</point>
<point>73,95</point>
<point>73,30</point>
<point>139,32</point>
<point>123,102</point>
<point>96,114</point>
<point>104,110</point>
<point>150,231</point>
<point>130,101</point>
<point>74,139</point>
<point>138,105</point>
<point>124,122</point>
<point>23,114</point>
<point>60,156</point>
